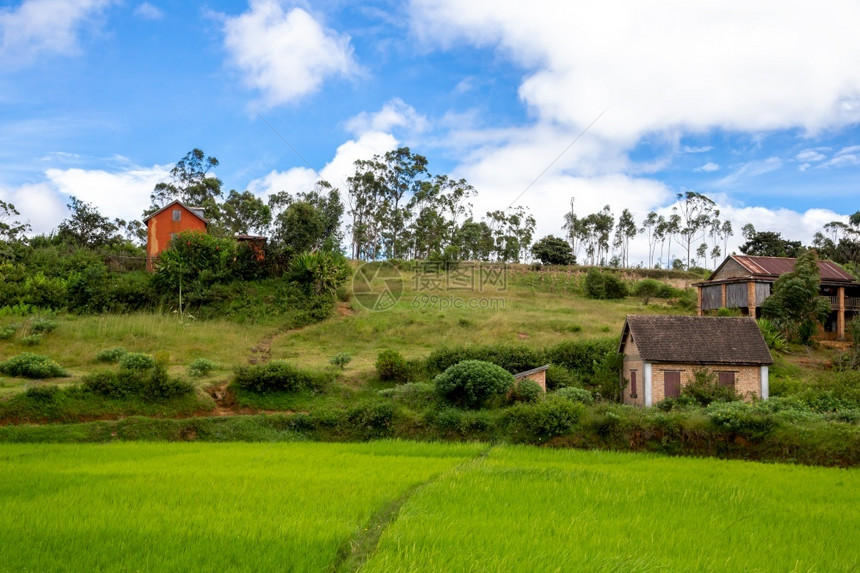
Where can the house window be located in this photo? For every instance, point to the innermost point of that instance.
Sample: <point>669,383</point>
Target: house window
<point>633,384</point>
<point>727,379</point>
<point>177,214</point>
<point>671,383</point>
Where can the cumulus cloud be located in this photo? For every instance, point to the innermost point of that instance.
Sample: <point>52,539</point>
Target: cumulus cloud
<point>121,194</point>
<point>285,54</point>
<point>38,28</point>
<point>667,65</point>
<point>394,114</point>
<point>148,12</point>
<point>708,167</point>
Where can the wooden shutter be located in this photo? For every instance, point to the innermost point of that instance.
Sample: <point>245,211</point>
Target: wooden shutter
<point>632,383</point>
<point>727,379</point>
<point>671,384</point>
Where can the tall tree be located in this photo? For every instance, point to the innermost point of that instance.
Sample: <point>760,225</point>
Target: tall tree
<point>244,214</point>
<point>768,244</point>
<point>309,220</point>
<point>624,231</point>
<point>191,183</point>
<point>650,226</point>
<point>795,305</point>
<point>11,228</point>
<point>696,212</point>
<point>86,227</point>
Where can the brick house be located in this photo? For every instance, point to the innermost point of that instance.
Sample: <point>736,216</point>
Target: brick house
<point>662,354</point>
<point>535,374</point>
<point>744,282</point>
<point>161,226</point>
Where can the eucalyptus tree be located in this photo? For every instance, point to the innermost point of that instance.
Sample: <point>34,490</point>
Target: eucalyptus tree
<point>695,212</point>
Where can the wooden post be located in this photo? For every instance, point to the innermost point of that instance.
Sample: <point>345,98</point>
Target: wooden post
<point>840,315</point>
<point>723,300</point>
<point>751,298</point>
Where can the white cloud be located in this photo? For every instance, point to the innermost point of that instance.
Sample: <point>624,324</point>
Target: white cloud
<point>394,114</point>
<point>810,156</point>
<point>667,65</point>
<point>285,54</point>
<point>122,194</point>
<point>708,167</point>
<point>43,27</point>
<point>701,149</point>
<point>148,12</point>
<point>299,179</point>
<point>749,170</point>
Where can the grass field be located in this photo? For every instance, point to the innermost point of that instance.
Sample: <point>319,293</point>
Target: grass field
<point>305,507</point>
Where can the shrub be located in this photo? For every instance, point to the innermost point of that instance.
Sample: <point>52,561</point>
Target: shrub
<point>412,393</point>
<point>111,384</point>
<point>391,366</point>
<point>741,418</point>
<point>603,285</point>
<point>341,359</point>
<point>375,417</point>
<point>200,367</point>
<point>575,395</point>
<point>514,359</point>
<point>581,356</point>
<point>705,388</point>
<point>31,339</point>
<point>8,331</point>
<point>45,393</point>
<point>647,289</point>
<point>29,365</point>
<point>42,326</point>
<point>472,382</point>
<point>152,384</point>
<point>527,391</point>
<point>279,376</point>
<point>547,419</point>
<point>772,335</point>
<point>136,361</point>
<point>158,385</point>
<point>560,377</point>
<point>112,355</point>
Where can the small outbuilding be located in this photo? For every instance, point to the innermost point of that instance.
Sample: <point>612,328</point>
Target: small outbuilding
<point>662,353</point>
<point>161,226</point>
<point>535,375</point>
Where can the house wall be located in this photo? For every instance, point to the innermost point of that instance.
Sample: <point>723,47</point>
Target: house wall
<point>160,228</point>
<point>747,378</point>
<point>731,269</point>
<point>539,377</point>
<point>712,297</point>
<point>632,361</point>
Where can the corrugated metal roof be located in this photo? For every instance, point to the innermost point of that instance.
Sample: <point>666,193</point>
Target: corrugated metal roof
<point>776,266</point>
<point>196,211</point>
<point>698,339</point>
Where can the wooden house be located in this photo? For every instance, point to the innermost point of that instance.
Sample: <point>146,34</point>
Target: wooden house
<point>662,354</point>
<point>161,226</point>
<point>744,282</point>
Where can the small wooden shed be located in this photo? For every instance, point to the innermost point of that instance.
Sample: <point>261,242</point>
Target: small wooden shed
<point>161,226</point>
<point>662,354</point>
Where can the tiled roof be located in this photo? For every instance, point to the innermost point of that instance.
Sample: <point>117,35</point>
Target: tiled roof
<point>776,266</point>
<point>698,339</point>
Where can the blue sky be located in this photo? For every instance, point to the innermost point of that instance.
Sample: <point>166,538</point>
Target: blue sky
<point>758,108</point>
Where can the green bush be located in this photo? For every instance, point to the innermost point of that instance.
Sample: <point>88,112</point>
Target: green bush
<point>152,384</point>
<point>341,359</point>
<point>279,376</point>
<point>136,361</point>
<point>44,393</point>
<point>575,395</point>
<point>705,389</point>
<point>514,359</point>
<point>29,365</point>
<point>373,417</point>
<point>42,326</point>
<point>582,356</point>
<point>31,340</point>
<point>560,377</point>
<point>112,355</point>
<point>112,385</point>
<point>647,289</point>
<point>416,394</point>
<point>391,366</point>
<point>772,335</point>
<point>201,367</point>
<point>7,332</point>
<point>527,392</point>
<point>604,285</point>
<point>472,383</point>
<point>543,420</point>
<point>741,418</point>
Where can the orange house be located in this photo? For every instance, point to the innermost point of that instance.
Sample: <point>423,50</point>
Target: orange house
<point>171,219</point>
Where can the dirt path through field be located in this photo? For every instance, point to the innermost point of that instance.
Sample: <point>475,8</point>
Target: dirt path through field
<point>355,552</point>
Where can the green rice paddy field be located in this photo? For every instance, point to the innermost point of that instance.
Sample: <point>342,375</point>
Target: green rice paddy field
<point>401,506</point>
